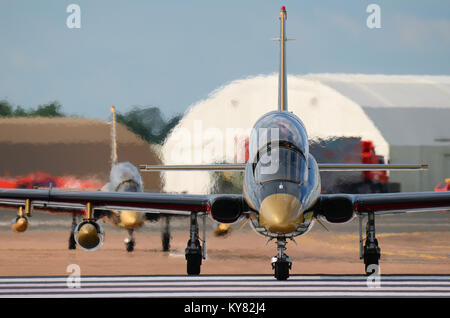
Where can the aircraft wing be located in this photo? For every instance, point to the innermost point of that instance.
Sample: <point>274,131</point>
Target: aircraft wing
<point>401,202</point>
<point>339,207</point>
<point>177,204</point>
<point>322,167</point>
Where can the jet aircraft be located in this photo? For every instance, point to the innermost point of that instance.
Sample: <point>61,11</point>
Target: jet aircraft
<point>124,177</point>
<point>281,193</point>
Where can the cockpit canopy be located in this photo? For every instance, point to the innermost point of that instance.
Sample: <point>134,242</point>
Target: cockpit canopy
<point>278,127</point>
<point>282,164</point>
<point>278,148</point>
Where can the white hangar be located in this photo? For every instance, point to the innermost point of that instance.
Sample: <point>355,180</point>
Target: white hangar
<point>406,116</point>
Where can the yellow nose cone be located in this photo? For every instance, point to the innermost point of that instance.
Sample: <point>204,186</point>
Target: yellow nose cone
<point>280,213</point>
<point>21,225</point>
<point>131,219</point>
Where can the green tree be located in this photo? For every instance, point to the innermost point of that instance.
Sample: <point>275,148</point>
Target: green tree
<point>5,108</point>
<point>52,109</point>
<point>19,112</point>
<point>148,123</point>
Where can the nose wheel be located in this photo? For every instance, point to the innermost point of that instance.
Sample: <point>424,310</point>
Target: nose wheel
<point>130,242</point>
<point>281,264</point>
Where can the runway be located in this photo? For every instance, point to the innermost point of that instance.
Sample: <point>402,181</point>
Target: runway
<point>231,286</point>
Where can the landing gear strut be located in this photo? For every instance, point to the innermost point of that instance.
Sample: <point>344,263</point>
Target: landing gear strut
<point>281,263</point>
<point>194,252</point>
<point>165,234</point>
<point>129,241</point>
<point>72,242</point>
<point>371,253</point>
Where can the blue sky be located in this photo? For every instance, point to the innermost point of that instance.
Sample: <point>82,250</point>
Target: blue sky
<point>172,54</point>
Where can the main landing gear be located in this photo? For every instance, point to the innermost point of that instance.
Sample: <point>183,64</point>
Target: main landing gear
<point>165,234</point>
<point>371,253</point>
<point>281,263</point>
<point>194,252</point>
<point>72,242</point>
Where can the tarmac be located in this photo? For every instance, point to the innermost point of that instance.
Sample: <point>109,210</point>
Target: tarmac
<point>410,244</point>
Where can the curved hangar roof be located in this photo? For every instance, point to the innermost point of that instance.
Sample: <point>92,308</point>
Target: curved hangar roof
<point>408,110</point>
<point>387,109</point>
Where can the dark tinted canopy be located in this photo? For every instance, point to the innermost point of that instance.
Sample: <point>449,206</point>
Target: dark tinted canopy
<point>276,127</point>
<point>281,164</point>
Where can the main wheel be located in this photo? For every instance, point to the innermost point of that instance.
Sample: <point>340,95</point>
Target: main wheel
<point>72,242</point>
<point>166,242</point>
<point>193,255</point>
<point>282,270</point>
<point>369,262</point>
<point>194,262</point>
<point>371,258</point>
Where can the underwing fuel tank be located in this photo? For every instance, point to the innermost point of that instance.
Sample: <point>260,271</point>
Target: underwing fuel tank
<point>89,235</point>
<point>19,224</point>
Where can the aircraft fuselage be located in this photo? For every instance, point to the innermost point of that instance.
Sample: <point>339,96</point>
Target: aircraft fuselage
<point>282,179</point>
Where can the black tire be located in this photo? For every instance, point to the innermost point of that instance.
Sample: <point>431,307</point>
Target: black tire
<point>72,242</point>
<point>130,246</point>
<point>282,270</point>
<point>194,262</point>
<point>166,242</point>
<point>371,259</point>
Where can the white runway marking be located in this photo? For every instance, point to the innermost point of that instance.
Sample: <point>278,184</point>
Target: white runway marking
<point>227,286</point>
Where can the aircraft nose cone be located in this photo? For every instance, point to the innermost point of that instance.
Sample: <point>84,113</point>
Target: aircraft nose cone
<point>280,213</point>
<point>131,219</point>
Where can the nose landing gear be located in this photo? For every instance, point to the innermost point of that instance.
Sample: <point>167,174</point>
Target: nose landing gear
<point>129,241</point>
<point>281,264</point>
<point>371,253</point>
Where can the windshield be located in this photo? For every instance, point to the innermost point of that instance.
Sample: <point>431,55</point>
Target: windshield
<point>277,127</point>
<point>281,164</point>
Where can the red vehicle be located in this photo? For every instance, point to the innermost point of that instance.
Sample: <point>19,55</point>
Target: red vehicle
<point>443,186</point>
<point>41,179</point>
<point>345,150</point>
<point>369,156</point>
